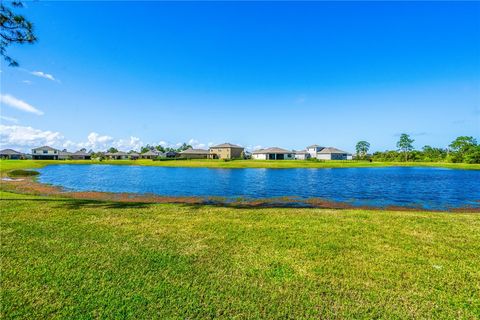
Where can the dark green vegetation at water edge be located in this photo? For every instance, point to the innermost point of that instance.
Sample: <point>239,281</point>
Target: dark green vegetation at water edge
<point>22,173</point>
<point>64,258</point>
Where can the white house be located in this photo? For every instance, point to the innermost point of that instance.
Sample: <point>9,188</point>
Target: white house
<point>314,149</point>
<point>273,154</point>
<point>331,153</point>
<point>302,155</point>
<point>45,153</point>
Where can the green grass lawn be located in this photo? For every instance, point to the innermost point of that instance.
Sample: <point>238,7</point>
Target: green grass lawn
<point>6,165</point>
<point>64,258</point>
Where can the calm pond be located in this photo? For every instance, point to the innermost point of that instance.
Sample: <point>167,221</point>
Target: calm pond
<point>429,188</point>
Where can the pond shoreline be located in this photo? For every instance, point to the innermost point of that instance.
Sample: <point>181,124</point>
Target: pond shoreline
<point>29,186</point>
<point>6,165</point>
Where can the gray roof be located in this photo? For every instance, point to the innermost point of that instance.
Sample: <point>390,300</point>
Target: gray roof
<point>314,146</point>
<point>81,153</point>
<point>64,153</point>
<point>118,153</point>
<point>45,148</point>
<point>10,152</point>
<point>226,145</point>
<point>271,150</point>
<point>330,150</point>
<point>151,153</point>
<point>195,151</point>
<point>301,152</point>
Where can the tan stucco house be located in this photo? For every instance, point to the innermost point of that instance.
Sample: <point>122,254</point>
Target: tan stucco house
<point>226,151</point>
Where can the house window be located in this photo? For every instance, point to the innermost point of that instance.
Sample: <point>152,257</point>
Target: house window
<point>45,151</point>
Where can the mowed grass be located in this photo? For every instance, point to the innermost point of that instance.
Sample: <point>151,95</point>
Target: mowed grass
<point>6,165</point>
<point>64,258</point>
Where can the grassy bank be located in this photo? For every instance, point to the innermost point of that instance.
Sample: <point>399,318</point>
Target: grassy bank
<point>6,165</point>
<point>65,258</point>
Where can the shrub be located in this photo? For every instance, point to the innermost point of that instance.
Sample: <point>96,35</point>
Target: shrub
<point>23,173</point>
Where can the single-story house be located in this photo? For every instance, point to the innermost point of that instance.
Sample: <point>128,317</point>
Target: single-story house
<point>226,151</point>
<point>81,155</point>
<point>273,153</point>
<point>152,154</point>
<point>11,154</point>
<point>64,155</point>
<point>194,154</point>
<point>171,154</point>
<point>302,155</point>
<point>314,149</point>
<point>45,153</point>
<point>134,155</point>
<point>119,155</point>
<point>331,153</point>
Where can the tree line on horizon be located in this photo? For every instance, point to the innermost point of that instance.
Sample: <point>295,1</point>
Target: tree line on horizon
<point>463,149</point>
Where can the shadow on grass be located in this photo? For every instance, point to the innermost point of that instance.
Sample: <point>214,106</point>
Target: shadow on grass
<point>80,204</point>
<point>72,204</point>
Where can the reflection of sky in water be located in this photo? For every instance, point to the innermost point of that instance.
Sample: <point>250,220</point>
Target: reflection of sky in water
<point>432,188</point>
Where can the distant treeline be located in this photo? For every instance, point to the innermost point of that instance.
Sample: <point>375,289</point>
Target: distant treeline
<point>462,149</point>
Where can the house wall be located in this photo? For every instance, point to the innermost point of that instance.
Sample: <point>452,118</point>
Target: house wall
<point>324,156</point>
<point>332,156</point>
<point>259,156</point>
<point>11,156</point>
<point>266,156</point>
<point>301,156</point>
<point>227,153</point>
<point>194,156</point>
<point>44,154</point>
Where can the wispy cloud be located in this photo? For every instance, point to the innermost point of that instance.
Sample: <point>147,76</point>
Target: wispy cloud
<point>44,75</point>
<point>13,102</point>
<point>9,119</point>
<point>27,82</point>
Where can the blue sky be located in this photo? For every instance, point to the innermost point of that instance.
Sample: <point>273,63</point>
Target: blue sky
<point>256,74</point>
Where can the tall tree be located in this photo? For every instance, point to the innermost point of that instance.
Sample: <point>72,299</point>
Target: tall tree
<point>404,144</point>
<point>14,28</point>
<point>112,150</point>
<point>461,147</point>
<point>184,147</point>
<point>362,148</point>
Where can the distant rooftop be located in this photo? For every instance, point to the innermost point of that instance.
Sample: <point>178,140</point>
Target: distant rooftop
<point>227,145</point>
<point>195,151</point>
<point>330,150</point>
<point>10,152</point>
<point>45,148</point>
<point>271,150</point>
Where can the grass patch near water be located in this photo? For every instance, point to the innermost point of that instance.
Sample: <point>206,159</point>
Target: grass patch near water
<point>64,258</point>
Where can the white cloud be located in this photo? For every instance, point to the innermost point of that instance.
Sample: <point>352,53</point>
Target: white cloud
<point>43,75</point>
<point>24,138</point>
<point>27,137</point>
<point>133,143</point>
<point>27,82</point>
<point>96,141</point>
<point>13,102</point>
<point>9,119</point>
